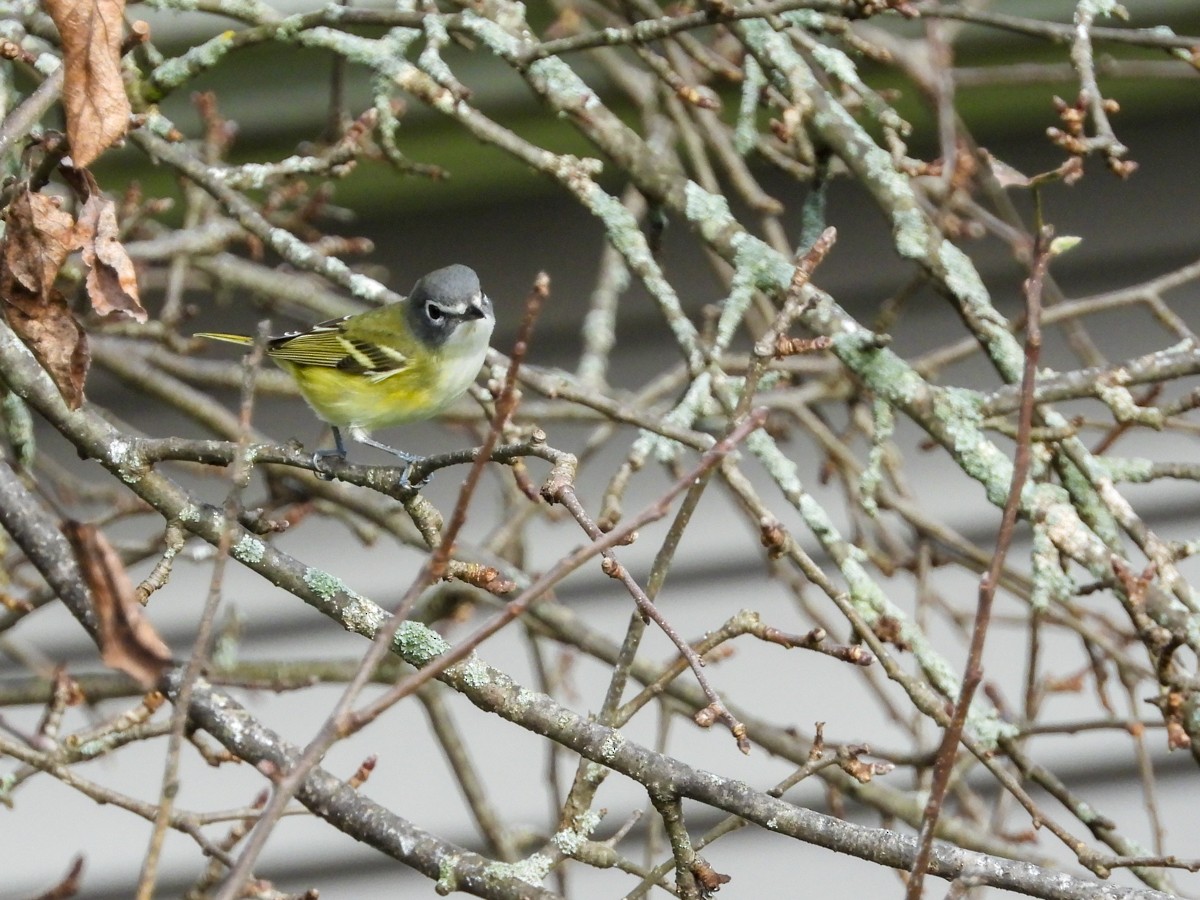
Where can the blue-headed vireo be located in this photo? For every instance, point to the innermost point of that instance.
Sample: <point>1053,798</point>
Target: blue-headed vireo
<point>387,366</point>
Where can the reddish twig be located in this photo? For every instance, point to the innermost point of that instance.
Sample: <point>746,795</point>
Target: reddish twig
<point>973,675</point>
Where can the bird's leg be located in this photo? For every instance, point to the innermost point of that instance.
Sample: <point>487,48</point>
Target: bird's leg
<point>409,459</point>
<point>371,442</point>
<point>321,455</point>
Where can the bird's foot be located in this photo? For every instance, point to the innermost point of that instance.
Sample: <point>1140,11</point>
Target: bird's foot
<point>319,464</point>
<point>406,476</point>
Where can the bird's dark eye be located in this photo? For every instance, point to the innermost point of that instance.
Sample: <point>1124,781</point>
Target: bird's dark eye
<point>435,313</point>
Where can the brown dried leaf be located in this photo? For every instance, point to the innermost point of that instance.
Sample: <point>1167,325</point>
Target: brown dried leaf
<point>37,239</point>
<point>111,279</point>
<point>51,332</point>
<point>128,642</point>
<point>40,235</point>
<point>93,93</point>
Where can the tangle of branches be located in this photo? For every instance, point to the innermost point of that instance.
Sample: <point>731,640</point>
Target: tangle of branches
<point>700,115</point>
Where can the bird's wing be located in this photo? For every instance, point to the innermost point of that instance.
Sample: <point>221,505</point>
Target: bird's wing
<point>329,344</point>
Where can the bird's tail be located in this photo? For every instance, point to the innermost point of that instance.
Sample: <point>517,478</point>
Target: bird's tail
<point>243,339</point>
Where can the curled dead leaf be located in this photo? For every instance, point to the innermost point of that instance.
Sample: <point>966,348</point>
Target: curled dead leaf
<point>38,237</point>
<point>60,345</point>
<point>128,642</point>
<point>111,280</point>
<point>94,97</point>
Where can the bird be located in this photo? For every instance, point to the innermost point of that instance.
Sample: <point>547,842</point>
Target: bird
<point>398,363</point>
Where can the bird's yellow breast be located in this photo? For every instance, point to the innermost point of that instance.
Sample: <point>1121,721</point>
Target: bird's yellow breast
<point>344,398</point>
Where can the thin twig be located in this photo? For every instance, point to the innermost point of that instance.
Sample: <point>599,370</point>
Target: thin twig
<point>973,672</point>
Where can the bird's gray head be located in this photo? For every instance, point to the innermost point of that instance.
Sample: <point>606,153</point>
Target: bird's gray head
<point>445,299</point>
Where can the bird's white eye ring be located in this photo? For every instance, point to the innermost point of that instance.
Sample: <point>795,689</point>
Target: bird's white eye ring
<point>435,312</point>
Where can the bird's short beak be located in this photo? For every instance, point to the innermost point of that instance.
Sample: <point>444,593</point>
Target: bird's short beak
<point>475,309</point>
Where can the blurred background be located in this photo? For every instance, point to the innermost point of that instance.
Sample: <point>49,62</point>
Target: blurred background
<point>509,224</point>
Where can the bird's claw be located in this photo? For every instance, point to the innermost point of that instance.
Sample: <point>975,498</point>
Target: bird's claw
<point>406,476</point>
<point>318,461</point>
